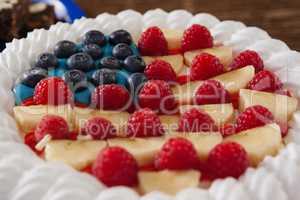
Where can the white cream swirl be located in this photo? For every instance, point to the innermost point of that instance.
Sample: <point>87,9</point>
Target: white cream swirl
<point>204,19</point>
<point>193,194</point>
<point>156,196</point>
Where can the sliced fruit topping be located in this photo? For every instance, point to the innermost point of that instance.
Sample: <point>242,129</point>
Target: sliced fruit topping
<point>253,117</point>
<point>53,91</point>
<point>160,70</point>
<point>115,166</point>
<point>153,43</point>
<point>99,128</point>
<point>94,37</point>
<point>173,38</point>
<point>144,123</point>
<point>158,96</point>
<point>174,152</point>
<point>196,37</point>
<point>65,49</point>
<point>259,142</point>
<point>227,130</point>
<point>111,97</point>
<point>265,81</point>
<point>205,66</point>
<point>228,160</point>
<point>246,58</point>
<point>46,61</point>
<point>52,125</point>
<point>212,92</point>
<point>195,120</point>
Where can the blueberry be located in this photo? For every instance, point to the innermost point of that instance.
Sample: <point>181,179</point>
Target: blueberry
<point>93,50</point>
<point>32,77</point>
<point>46,60</point>
<point>103,76</point>
<point>120,36</point>
<point>134,64</point>
<point>135,82</point>
<point>81,61</point>
<point>94,37</point>
<point>122,51</point>
<point>110,63</point>
<point>65,49</point>
<point>76,79</point>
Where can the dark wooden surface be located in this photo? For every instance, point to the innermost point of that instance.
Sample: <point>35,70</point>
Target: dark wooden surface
<point>281,18</point>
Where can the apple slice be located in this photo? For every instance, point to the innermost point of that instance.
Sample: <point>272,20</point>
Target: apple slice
<point>143,150</point>
<point>176,61</point>
<point>118,119</point>
<point>27,117</point>
<point>259,142</point>
<point>173,38</point>
<point>77,154</point>
<point>169,122</point>
<point>169,182</point>
<point>281,106</point>
<point>233,81</point>
<point>220,113</point>
<point>225,54</point>
<point>203,142</point>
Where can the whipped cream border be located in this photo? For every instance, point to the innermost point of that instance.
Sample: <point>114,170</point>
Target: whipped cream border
<point>25,176</point>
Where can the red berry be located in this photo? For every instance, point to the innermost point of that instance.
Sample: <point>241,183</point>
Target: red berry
<point>160,70</point>
<point>228,160</point>
<point>246,58</point>
<point>212,92</point>
<point>52,125</point>
<point>196,37</point>
<point>111,97</point>
<point>153,42</point>
<point>252,117</point>
<point>114,166</point>
<point>183,79</point>
<point>53,91</point>
<point>195,120</point>
<point>28,102</point>
<point>227,130</point>
<point>144,123</point>
<point>265,81</point>
<point>284,128</point>
<point>31,142</point>
<point>205,66</point>
<point>158,96</point>
<point>177,154</point>
<point>99,128</point>
<point>72,135</point>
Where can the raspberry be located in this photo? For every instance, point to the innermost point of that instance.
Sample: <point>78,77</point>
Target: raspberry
<point>212,92</point>
<point>115,166</point>
<point>284,128</point>
<point>31,142</point>
<point>160,70</point>
<point>53,91</point>
<point>153,42</point>
<point>252,117</point>
<point>196,37</point>
<point>205,66</point>
<point>195,120</point>
<point>177,154</point>
<point>53,125</point>
<point>110,97</point>
<point>99,128</point>
<point>265,81</point>
<point>183,79</point>
<point>228,160</point>
<point>28,102</point>
<point>158,96</point>
<point>246,58</point>
<point>144,123</point>
<point>227,130</point>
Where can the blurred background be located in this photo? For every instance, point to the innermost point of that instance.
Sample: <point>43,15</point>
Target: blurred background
<point>280,18</point>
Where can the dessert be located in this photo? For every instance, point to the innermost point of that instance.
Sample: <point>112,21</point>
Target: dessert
<point>99,107</point>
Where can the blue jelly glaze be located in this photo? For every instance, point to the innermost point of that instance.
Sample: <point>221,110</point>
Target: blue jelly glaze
<point>84,96</point>
<point>107,50</point>
<point>134,49</point>
<point>22,92</point>
<point>56,72</point>
<point>90,73</point>
<point>79,47</point>
<point>62,63</point>
<point>122,76</point>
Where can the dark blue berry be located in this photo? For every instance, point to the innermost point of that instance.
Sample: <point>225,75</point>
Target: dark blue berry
<point>120,36</point>
<point>76,79</point>
<point>134,64</point>
<point>81,61</point>
<point>32,77</point>
<point>65,49</point>
<point>110,63</point>
<point>122,51</point>
<point>103,76</point>
<point>135,82</point>
<point>94,37</point>
<point>46,60</point>
<point>93,50</point>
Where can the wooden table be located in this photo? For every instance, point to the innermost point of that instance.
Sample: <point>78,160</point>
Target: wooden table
<point>281,18</point>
